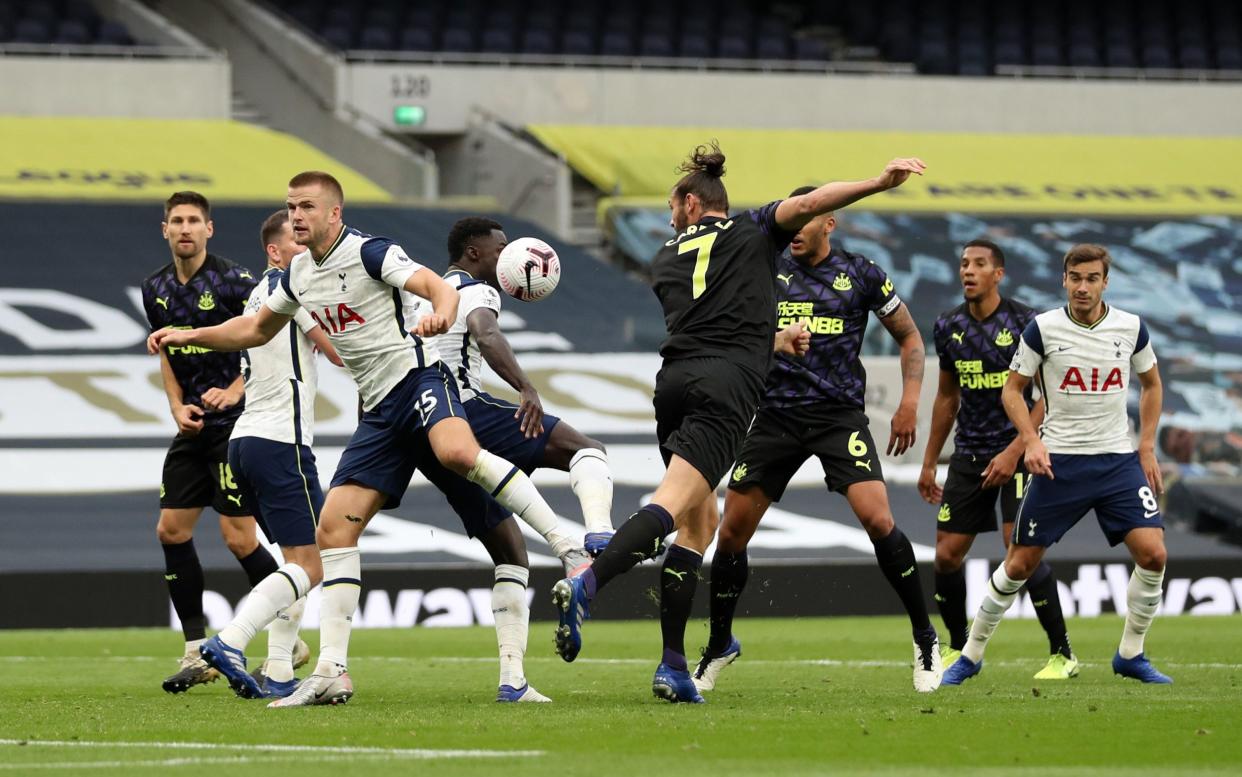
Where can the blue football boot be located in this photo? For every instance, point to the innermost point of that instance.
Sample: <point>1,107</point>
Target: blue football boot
<point>675,685</point>
<point>596,541</point>
<point>1139,668</point>
<point>569,596</point>
<point>231,663</point>
<point>962,670</point>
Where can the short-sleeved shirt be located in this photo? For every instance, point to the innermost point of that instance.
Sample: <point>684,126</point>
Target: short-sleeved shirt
<point>216,293</point>
<point>833,299</point>
<point>1085,370</point>
<point>281,377</point>
<point>354,293</point>
<point>715,285</point>
<point>978,354</point>
<point>457,349</point>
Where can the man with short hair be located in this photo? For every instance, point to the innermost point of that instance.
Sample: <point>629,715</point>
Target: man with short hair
<point>976,342</point>
<point>413,419</point>
<point>1082,458</point>
<point>270,453</point>
<point>205,397</point>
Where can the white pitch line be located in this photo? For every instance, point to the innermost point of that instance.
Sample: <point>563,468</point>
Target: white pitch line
<point>413,753</point>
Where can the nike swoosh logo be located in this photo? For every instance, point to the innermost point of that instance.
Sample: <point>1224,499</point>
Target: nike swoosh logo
<point>1063,348</point>
<point>303,291</point>
<point>1151,514</point>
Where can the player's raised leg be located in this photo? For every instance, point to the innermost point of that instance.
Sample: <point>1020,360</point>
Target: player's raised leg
<point>590,477</point>
<point>895,555</point>
<point>1143,596</point>
<point>730,571</point>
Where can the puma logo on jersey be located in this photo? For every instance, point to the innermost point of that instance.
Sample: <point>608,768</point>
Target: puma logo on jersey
<point>864,464</point>
<point>785,278</point>
<point>162,302</point>
<point>234,498</point>
<point>957,337</point>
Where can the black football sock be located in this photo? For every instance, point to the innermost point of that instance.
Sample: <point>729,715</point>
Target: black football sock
<point>258,565</point>
<point>729,574</point>
<point>638,539</point>
<point>679,577</point>
<point>951,599</point>
<point>896,559</point>
<point>1042,586</point>
<point>184,576</point>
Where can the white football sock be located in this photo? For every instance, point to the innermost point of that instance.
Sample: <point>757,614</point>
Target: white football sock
<point>273,593</point>
<point>282,638</point>
<point>512,616</point>
<point>1000,595</point>
<point>342,584</point>
<point>1142,599</point>
<point>192,645</point>
<point>591,480</point>
<point>510,486</point>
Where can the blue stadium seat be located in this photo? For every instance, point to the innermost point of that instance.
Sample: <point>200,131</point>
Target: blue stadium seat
<point>31,31</point>
<point>457,39</point>
<point>40,11</point>
<point>1157,56</point>
<point>1229,57</point>
<point>1046,55</point>
<point>1120,55</point>
<point>578,42</point>
<point>344,17</point>
<point>695,45</point>
<point>655,44</point>
<point>426,18</point>
<point>1194,57</point>
<point>377,38</point>
<point>417,39</point>
<point>538,40</point>
<point>498,40</point>
<point>1009,53</point>
<point>772,47</point>
<point>972,59</point>
<point>811,49</point>
<point>616,43</point>
<point>114,34</point>
<point>380,17</point>
<point>72,31</point>
<point>1085,55</point>
<point>339,37</point>
<point>935,57</point>
<point>734,47</point>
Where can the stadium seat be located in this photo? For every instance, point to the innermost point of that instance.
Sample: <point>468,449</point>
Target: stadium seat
<point>578,42</point>
<point>538,40</point>
<point>1120,55</point>
<point>1157,56</point>
<point>655,44</point>
<point>772,47</point>
<point>339,37</point>
<point>812,49</point>
<point>1194,57</point>
<point>72,31</point>
<point>31,31</point>
<point>1085,55</point>
<point>695,45</point>
<point>114,33</point>
<point>457,39</point>
<point>1229,57</point>
<point>616,43</point>
<point>734,47</point>
<point>40,11</point>
<point>377,38</point>
<point>417,39</point>
<point>498,40</point>
<point>1046,55</point>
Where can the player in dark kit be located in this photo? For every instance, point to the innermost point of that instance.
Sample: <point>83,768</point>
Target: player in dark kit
<point>813,406</point>
<point>976,342</point>
<point>205,395</point>
<point>715,281</point>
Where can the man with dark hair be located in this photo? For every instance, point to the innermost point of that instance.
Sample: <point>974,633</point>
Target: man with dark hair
<point>715,282</point>
<point>1082,458</point>
<point>976,342</point>
<point>814,406</point>
<point>205,397</point>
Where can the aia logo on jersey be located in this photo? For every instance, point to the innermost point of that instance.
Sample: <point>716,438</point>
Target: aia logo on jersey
<point>338,323</point>
<point>1093,382</point>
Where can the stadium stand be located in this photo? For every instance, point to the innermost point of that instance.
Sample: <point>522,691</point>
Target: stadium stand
<point>942,37</point>
<point>68,22</point>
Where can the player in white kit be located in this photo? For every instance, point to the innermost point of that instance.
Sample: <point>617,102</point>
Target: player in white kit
<point>1084,354</point>
<point>270,455</point>
<point>413,419</point>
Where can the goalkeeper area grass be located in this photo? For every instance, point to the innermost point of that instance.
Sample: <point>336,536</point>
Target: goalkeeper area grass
<point>808,696</point>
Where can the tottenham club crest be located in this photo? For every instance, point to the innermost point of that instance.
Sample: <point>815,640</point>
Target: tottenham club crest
<point>341,275</point>
<point>206,301</point>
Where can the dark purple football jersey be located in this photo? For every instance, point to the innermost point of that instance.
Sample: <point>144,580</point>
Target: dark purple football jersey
<point>714,282</point>
<point>216,293</point>
<point>978,354</point>
<point>833,299</point>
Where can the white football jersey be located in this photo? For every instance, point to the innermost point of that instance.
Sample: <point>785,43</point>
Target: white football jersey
<point>1085,372</point>
<point>281,377</point>
<point>354,294</point>
<point>459,352</point>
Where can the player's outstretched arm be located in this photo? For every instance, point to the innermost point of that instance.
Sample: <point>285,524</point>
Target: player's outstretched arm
<point>900,324</point>
<point>793,213</point>
<point>1151,401</point>
<point>485,329</point>
<point>944,411</point>
<point>443,299</point>
<point>1014,400</point>
<point>236,334</point>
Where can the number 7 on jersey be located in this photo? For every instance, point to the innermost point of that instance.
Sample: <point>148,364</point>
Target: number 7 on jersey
<point>703,245</point>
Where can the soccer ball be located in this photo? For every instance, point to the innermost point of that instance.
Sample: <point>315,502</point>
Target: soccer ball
<point>528,269</point>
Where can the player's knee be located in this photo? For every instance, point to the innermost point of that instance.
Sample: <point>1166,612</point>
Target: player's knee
<point>732,538</point>
<point>947,562</point>
<point>459,456</point>
<point>240,545</point>
<point>1152,559</point>
<point>313,569</point>
<point>877,525</point>
<point>333,534</point>
<point>169,534</point>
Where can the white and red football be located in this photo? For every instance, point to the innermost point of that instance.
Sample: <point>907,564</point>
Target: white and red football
<point>528,269</point>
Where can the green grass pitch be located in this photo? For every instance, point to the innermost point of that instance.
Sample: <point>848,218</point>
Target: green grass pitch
<point>808,696</point>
